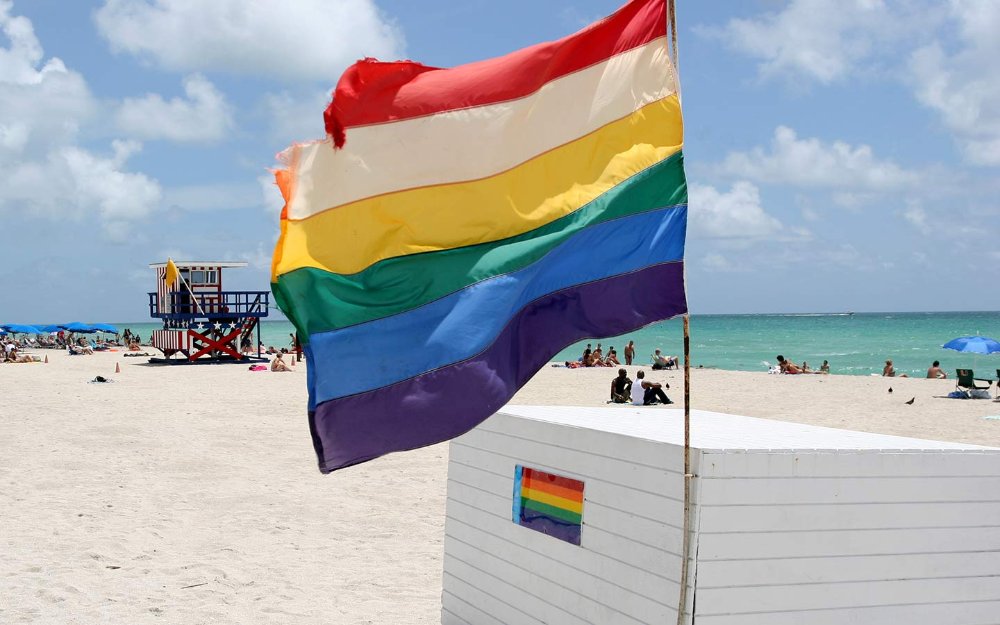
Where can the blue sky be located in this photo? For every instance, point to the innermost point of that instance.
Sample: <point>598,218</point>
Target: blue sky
<point>842,154</point>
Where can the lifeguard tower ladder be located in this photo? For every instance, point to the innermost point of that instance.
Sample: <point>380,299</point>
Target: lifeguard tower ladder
<point>200,320</point>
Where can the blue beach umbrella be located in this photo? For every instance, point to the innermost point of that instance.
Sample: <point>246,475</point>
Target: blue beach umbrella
<point>104,327</point>
<point>973,345</point>
<point>76,326</point>
<point>20,328</point>
<point>48,328</point>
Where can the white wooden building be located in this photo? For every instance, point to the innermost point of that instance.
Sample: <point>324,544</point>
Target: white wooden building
<point>790,524</point>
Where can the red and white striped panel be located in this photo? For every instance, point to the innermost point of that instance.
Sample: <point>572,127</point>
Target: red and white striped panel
<point>175,340</point>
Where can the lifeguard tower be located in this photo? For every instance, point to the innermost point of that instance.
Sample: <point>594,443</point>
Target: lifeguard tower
<point>200,320</point>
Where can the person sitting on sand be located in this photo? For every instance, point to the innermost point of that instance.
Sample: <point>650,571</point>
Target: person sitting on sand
<point>805,367</point>
<point>825,367</point>
<point>787,366</point>
<point>888,371</point>
<point>612,359</point>
<point>621,388</point>
<point>936,371</point>
<point>652,392</point>
<point>279,365</point>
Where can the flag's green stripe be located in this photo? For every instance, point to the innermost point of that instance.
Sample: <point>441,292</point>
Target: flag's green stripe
<point>558,513</point>
<point>319,301</point>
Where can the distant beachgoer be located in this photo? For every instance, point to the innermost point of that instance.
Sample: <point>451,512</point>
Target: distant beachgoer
<point>805,367</point>
<point>825,367</point>
<point>279,365</point>
<point>787,366</point>
<point>652,392</point>
<point>585,359</point>
<point>889,371</point>
<point>936,371</point>
<point>629,352</point>
<point>621,388</point>
<point>612,359</point>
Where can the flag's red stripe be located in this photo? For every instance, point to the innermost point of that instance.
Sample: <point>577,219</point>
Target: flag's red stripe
<point>371,92</point>
<point>540,478</point>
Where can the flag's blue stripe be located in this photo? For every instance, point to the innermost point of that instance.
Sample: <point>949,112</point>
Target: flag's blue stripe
<point>370,355</point>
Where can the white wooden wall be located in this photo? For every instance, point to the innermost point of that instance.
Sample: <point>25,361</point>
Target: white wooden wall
<point>627,567</point>
<point>859,532</point>
<point>901,538</point>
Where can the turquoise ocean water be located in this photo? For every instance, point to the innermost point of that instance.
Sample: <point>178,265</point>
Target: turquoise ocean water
<point>855,344</point>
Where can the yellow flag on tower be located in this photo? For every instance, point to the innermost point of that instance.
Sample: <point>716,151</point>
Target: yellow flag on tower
<point>172,273</point>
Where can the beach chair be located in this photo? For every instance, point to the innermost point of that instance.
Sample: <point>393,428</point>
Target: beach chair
<point>966,381</point>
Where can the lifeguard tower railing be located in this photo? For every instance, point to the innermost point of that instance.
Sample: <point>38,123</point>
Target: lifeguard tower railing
<point>184,306</point>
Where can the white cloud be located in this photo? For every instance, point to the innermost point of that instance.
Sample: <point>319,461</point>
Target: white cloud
<point>813,163</point>
<point>917,217</point>
<point>270,195</point>
<point>305,39</point>
<point>736,214</point>
<point>819,40</point>
<point>203,117</point>
<point>962,86</point>
<point>718,263</point>
<point>42,107</point>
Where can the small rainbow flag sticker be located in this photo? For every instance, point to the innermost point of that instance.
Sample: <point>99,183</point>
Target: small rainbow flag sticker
<point>548,503</point>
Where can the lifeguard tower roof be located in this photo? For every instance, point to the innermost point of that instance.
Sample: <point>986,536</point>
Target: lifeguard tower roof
<point>200,263</point>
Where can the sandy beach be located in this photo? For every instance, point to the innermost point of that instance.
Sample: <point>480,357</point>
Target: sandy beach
<point>189,494</point>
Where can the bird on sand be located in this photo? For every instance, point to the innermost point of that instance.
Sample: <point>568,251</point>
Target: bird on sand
<point>910,403</point>
<point>890,389</point>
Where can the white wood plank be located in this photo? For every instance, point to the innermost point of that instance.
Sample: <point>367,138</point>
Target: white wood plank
<point>456,611</point>
<point>729,573</point>
<point>571,461</point>
<point>588,597</point>
<point>500,460</point>
<point>971,613</point>
<point>551,557</point>
<point>596,513</point>
<point>847,595</point>
<point>639,449</point>
<point>802,490</point>
<point>715,519</point>
<point>860,542</point>
<point>472,592</point>
<point>540,608</point>
<point>850,463</point>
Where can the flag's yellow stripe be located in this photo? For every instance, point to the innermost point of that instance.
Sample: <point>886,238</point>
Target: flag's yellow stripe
<point>553,500</point>
<point>351,237</point>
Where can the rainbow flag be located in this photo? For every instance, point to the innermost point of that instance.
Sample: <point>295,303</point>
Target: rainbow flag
<point>548,503</point>
<point>469,223</point>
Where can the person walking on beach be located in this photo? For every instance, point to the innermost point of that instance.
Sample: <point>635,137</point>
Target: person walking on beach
<point>652,392</point>
<point>936,372</point>
<point>621,388</point>
<point>629,352</point>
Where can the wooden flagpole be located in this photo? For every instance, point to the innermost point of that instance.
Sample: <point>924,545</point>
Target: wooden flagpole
<point>686,538</point>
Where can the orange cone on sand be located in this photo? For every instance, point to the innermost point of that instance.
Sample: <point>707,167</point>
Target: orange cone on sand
<point>293,360</point>
<point>118,369</point>
<point>46,359</point>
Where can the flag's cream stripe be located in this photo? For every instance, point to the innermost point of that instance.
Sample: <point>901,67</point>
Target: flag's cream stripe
<point>399,284</point>
<point>464,323</point>
<point>372,92</point>
<point>554,184</point>
<point>447,402</point>
<point>476,143</point>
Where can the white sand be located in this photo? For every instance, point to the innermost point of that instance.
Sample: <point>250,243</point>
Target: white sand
<point>189,494</point>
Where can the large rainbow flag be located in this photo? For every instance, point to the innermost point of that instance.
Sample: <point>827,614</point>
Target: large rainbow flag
<point>466,224</point>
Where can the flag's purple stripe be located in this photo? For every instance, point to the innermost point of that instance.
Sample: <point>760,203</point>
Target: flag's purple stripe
<point>552,527</point>
<point>449,401</point>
